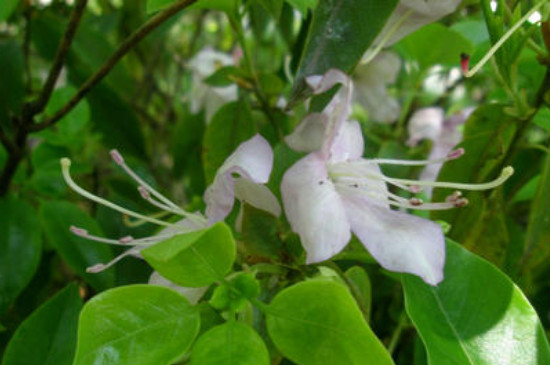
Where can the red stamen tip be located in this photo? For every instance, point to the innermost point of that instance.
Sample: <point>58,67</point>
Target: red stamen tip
<point>461,202</point>
<point>456,153</point>
<point>415,189</point>
<point>79,231</point>
<point>126,239</point>
<point>465,62</point>
<point>416,202</point>
<point>117,157</point>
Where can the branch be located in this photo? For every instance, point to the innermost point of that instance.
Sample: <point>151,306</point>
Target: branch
<point>60,57</point>
<point>124,48</point>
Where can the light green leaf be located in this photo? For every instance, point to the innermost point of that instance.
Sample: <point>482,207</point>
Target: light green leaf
<point>231,343</point>
<point>20,247</point>
<point>49,333</point>
<point>57,217</point>
<point>194,259</point>
<point>476,316</point>
<point>318,322</point>
<point>136,324</point>
<point>435,44</point>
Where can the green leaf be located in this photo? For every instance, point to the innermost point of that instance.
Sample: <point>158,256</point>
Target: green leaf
<point>234,295</point>
<point>57,217</point>
<point>49,333</point>
<point>355,22</point>
<point>12,88</point>
<point>538,230</point>
<point>476,316</point>
<point>69,129</point>
<point>303,5</point>
<point>7,7</point>
<point>260,233</point>
<point>136,324</point>
<point>225,76</point>
<point>194,259</point>
<point>231,343</point>
<point>20,247</point>
<point>318,322</point>
<point>223,5</point>
<point>274,7</point>
<point>360,286</point>
<point>435,44</point>
<point>231,125</point>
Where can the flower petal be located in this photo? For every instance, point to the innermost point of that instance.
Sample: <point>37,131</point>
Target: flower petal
<point>252,160</point>
<point>426,123</point>
<point>398,241</point>
<point>257,195</point>
<point>348,143</point>
<point>308,136</point>
<point>314,208</point>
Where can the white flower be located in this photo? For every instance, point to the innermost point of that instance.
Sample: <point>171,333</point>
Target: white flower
<point>333,192</point>
<point>251,161</point>
<point>371,80</point>
<point>410,15</point>
<point>202,95</point>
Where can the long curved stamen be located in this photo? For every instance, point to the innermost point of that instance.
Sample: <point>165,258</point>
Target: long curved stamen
<point>504,175</point>
<point>119,160</point>
<point>101,267</point>
<point>383,161</point>
<point>65,167</point>
<point>504,38</point>
<point>127,240</point>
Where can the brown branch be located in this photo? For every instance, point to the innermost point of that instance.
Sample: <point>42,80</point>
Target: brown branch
<point>124,48</point>
<point>62,51</point>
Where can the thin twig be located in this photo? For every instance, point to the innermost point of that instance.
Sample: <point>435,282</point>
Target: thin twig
<point>124,48</point>
<point>62,51</point>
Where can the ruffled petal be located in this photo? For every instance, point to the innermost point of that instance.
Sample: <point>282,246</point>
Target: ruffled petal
<point>308,136</point>
<point>398,241</point>
<point>252,160</point>
<point>348,143</point>
<point>314,208</point>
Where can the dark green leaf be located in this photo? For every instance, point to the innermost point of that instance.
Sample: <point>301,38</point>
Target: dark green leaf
<point>136,324</point>
<point>194,259</point>
<point>57,217</point>
<point>232,343</point>
<point>318,322</point>
<point>476,316</point>
<point>11,75</point>
<point>355,22</point>
<point>48,336</point>
<point>231,125</point>
<point>303,5</point>
<point>260,233</point>
<point>360,285</point>
<point>20,247</point>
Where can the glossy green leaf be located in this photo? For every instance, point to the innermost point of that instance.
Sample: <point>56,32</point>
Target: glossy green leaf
<point>360,286</point>
<point>231,343</point>
<point>20,247</point>
<point>318,322</point>
<point>355,22</point>
<point>231,125</point>
<point>6,8</point>
<point>476,316</point>
<point>48,336</point>
<point>194,259</point>
<point>435,44</point>
<point>57,217</point>
<point>136,324</point>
